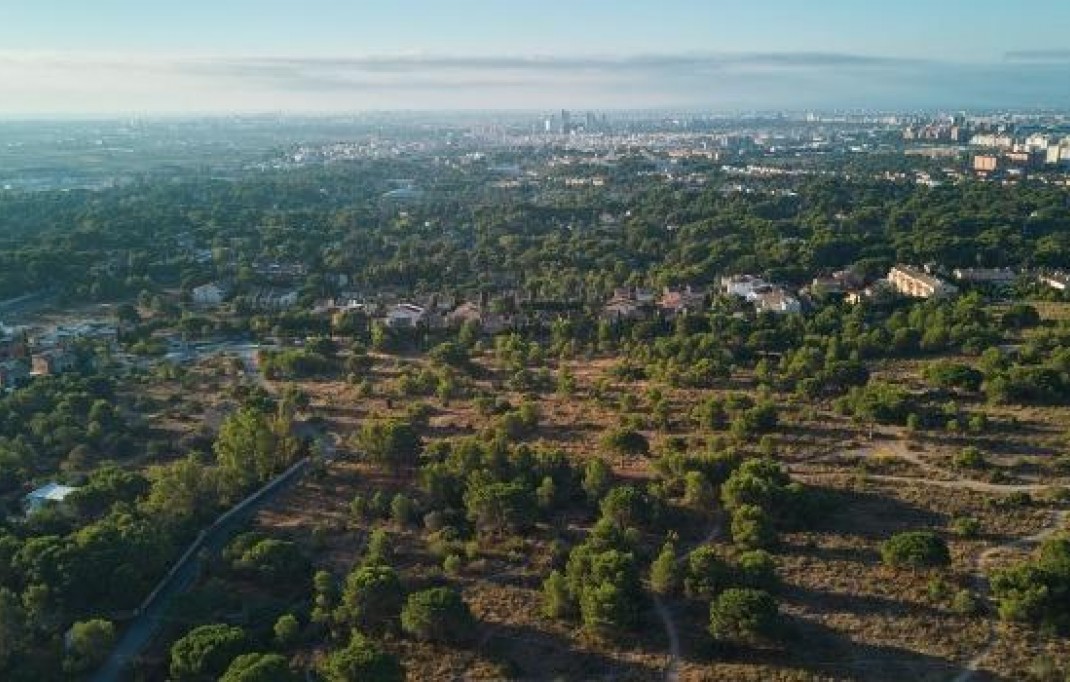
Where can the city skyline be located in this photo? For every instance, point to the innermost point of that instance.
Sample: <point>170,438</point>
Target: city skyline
<point>116,56</point>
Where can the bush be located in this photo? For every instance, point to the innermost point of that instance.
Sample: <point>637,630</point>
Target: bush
<point>287,630</point>
<point>362,661</point>
<point>752,528</point>
<point>557,602</point>
<point>707,573</point>
<point>259,668</point>
<point>757,569</point>
<point>205,651</point>
<point>88,645</point>
<point>744,615</point>
<point>372,598</point>
<point>915,549</point>
<point>438,614</point>
<point>1036,591</point>
<point>966,527</point>
<point>664,573</point>
<point>970,458</point>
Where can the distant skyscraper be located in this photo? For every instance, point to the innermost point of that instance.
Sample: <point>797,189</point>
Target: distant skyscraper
<point>566,122</point>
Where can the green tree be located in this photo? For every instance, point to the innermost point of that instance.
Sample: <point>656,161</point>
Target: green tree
<point>12,627</point>
<point>664,571</point>
<point>88,644</point>
<point>391,443</point>
<point>438,614</point>
<point>744,615</point>
<point>596,479</point>
<point>287,630</point>
<point>498,506</point>
<point>362,661</point>
<point>625,443</point>
<point>372,598</point>
<point>915,549</point>
<point>752,528</point>
<point>624,506</point>
<point>707,573</point>
<point>546,494</point>
<point>698,493</point>
<point>557,602</point>
<point>259,668</point>
<point>251,447</point>
<point>324,595</point>
<point>204,652</point>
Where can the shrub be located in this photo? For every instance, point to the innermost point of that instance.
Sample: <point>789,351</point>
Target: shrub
<point>915,549</point>
<point>88,644</point>
<point>205,651</point>
<point>362,661</point>
<point>287,630</point>
<point>437,614</point>
<point>259,668</point>
<point>752,528</point>
<point>664,573</point>
<point>372,598</point>
<point>970,458</point>
<point>744,615</point>
<point>966,527</point>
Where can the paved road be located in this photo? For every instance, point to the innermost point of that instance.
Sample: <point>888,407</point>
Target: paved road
<point>140,631</point>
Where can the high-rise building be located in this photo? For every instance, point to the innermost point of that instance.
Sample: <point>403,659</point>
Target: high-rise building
<point>566,122</point>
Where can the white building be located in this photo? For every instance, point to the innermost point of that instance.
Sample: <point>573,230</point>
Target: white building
<point>1058,281</point>
<point>743,286</point>
<point>51,493</point>
<point>909,281</point>
<point>777,301</point>
<point>985,275</point>
<point>212,293</point>
<point>405,316</point>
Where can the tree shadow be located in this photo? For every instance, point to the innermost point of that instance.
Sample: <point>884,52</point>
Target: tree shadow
<point>532,654</point>
<point>841,602</point>
<point>823,651</point>
<point>871,515</point>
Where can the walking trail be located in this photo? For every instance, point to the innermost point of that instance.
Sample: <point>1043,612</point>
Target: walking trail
<point>665,613</point>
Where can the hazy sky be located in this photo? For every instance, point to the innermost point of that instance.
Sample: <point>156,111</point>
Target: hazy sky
<point>69,56</point>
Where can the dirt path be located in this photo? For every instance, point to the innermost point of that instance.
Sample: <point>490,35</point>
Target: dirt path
<point>665,613</point>
<point>1058,523</point>
<point>951,480</point>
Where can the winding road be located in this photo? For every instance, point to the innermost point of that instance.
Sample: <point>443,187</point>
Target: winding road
<point>151,615</point>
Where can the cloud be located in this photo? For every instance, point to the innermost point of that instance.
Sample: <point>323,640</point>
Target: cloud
<point>45,82</point>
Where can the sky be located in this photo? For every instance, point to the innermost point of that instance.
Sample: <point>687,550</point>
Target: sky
<point>215,56</point>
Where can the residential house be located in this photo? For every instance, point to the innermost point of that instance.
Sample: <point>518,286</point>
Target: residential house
<point>912,282</point>
<point>272,299</point>
<point>466,312</point>
<point>619,309</point>
<point>839,283</point>
<point>1060,281</point>
<point>49,494</point>
<point>777,301</point>
<point>879,291</point>
<point>985,275</point>
<point>54,361</point>
<point>679,301</point>
<point>405,316</point>
<point>743,286</point>
<point>211,294</point>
